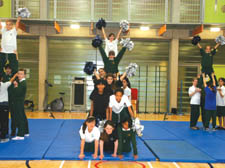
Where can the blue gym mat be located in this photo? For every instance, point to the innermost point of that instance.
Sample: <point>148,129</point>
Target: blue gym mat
<point>177,151</point>
<point>67,146</point>
<point>209,142</point>
<point>153,131</point>
<point>42,133</point>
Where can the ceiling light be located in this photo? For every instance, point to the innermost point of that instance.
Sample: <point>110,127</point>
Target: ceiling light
<point>74,26</point>
<point>214,29</point>
<point>144,28</point>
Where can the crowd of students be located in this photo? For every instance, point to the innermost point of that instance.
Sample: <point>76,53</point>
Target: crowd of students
<point>12,87</point>
<point>206,93</point>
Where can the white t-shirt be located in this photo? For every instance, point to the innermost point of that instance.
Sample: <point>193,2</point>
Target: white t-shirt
<point>8,43</point>
<point>90,136</point>
<point>195,99</point>
<point>220,101</point>
<point>4,91</point>
<point>111,46</point>
<point>117,107</point>
<point>127,92</point>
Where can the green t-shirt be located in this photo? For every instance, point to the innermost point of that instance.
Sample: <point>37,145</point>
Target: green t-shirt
<point>207,58</point>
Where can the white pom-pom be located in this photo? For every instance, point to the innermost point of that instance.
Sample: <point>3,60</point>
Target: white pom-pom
<point>24,13</point>
<point>220,39</point>
<point>101,125</point>
<point>124,24</point>
<point>131,69</point>
<point>127,43</point>
<point>138,127</point>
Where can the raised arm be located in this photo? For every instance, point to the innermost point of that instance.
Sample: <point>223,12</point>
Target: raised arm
<point>18,23</point>
<point>217,45</point>
<point>123,76</point>
<point>0,24</point>
<point>103,54</point>
<point>213,79</point>
<point>96,74</point>
<point>118,35</point>
<point>199,46</point>
<point>204,80</point>
<point>103,32</point>
<point>13,78</point>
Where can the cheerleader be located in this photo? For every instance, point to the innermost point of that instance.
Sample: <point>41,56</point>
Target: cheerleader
<point>108,140</point>
<point>120,107</point>
<point>89,135</point>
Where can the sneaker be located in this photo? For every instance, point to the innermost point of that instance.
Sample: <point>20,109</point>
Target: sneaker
<point>4,140</point>
<point>195,128</point>
<point>206,129</point>
<point>213,129</point>
<point>18,138</point>
<point>26,135</point>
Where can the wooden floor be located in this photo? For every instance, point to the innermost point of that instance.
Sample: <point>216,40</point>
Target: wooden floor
<point>106,164</point>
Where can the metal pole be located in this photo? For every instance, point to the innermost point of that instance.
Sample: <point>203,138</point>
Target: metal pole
<point>55,9</point>
<point>146,90</point>
<point>168,96</point>
<point>166,11</point>
<point>159,93</point>
<point>181,94</point>
<point>155,88</point>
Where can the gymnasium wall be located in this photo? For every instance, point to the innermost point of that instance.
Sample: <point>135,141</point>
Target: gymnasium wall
<point>66,59</point>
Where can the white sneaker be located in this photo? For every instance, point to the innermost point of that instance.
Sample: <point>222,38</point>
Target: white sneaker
<point>4,140</point>
<point>27,135</point>
<point>18,138</point>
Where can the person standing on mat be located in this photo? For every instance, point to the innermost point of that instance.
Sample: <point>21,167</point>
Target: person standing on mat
<point>19,91</point>
<point>99,101</point>
<point>4,108</point>
<point>120,107</point>
<point>210,102</point>
<point>8,50</point>
<point>108,140</point>
<point>89,135</point>
<point>7,77</point>
<point>126,136</point>
<point>220,103</point>
<point>195,94</point>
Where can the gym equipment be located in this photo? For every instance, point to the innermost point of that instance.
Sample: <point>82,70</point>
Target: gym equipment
<point>78,95</point>
<point>56,105</point>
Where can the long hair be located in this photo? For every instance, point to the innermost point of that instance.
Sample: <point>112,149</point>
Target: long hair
<point>128,82</point>
<point>88,120</point>
<point>104,135</point>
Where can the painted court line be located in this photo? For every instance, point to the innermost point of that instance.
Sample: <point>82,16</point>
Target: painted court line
<point>150,165</point>
<point>177,166</point>
<point>89,164</point>
<point>62,163</point>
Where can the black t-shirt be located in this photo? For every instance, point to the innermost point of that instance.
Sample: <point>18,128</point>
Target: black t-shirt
<point>101,102</point>
<point>109,140</point>
<point>108,89</point>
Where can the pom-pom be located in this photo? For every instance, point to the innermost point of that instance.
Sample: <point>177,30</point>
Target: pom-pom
<point>97,41</point>
<point>131,69</point>
<point>137,127</point>
<point>24,13</point>
<point>101,125</point>
<point>124,24</point>
<point>89,68</point>
<point>127,43</point>
<point>101,23</point>
<point>196,40</point>
<point>220,39</point>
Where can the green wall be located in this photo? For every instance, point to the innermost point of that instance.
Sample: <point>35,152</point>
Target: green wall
<point>212,16</point>
<point>5,10</point>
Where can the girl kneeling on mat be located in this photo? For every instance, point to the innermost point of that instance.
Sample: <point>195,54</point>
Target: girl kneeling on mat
<point>120,107</point>
<point>89,135</point>
<point>108,140</point>
<point>126,136</point>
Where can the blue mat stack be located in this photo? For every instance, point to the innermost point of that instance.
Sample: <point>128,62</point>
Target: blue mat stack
<point>163,140</point>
